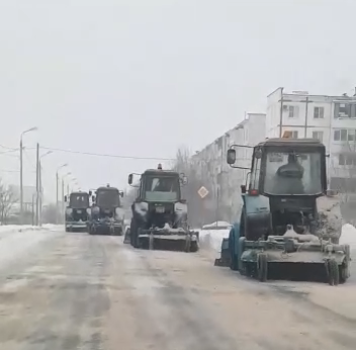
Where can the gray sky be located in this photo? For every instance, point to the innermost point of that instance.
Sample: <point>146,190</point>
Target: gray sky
<point>141,78</point>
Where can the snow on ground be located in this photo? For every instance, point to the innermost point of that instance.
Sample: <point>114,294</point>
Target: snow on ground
<point>16,240</point>
<point>340,299</point>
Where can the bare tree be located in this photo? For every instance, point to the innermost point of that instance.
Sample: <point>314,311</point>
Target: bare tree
<point>197,171</point>
<point>7,200</point>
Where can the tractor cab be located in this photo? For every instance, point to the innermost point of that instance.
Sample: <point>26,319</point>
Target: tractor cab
<point>78,200</point>
<point>285,167</point>
<point>108,197</point>
<point>158,185</point>
<point>285,179</point>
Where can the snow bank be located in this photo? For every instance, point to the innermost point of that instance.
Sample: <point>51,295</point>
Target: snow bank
<point>211,239</point>
<point>18,240</point>
<point>23,228</point>
<point>348,236</point>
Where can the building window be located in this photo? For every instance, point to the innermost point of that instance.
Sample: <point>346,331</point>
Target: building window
<point>292,111</point>
<point>347,159</point>
<point>344,135</point>
<point>318,112</point>
<point>344,110</point>
<point>318,135</point>
<point>290,134</point>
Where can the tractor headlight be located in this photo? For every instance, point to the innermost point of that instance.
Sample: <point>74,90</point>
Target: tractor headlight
<point>141,208</point>
<point>180,208</point>
<point>69,211</point>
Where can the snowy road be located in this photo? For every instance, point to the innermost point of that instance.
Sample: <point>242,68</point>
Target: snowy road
<point>74,291</point>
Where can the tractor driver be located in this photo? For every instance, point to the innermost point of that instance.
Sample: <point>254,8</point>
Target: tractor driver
<point>289,177</point>
<point>164,185</point>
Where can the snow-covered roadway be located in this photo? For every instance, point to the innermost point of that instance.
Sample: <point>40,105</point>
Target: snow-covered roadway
<point>63,291</point>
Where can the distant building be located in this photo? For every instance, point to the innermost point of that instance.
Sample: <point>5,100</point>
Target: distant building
<point>331,119</point>
<point>222,181</point>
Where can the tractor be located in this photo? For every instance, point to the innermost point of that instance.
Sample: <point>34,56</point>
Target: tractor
<point>159,214</point>
<point>106,213</point>
<point>76,214</point>
<point>290,223</point>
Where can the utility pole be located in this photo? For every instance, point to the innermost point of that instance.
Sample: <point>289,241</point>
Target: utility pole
<point>21,172</point>
<point>37,181</point>
<point>41,194</point>
<point>281,114</point>
<point>62,209</point>
<point>21,182</point>
<point>68,189</point>
<point>57,191</point>
<point>57,200</point>
<point>306,101</point>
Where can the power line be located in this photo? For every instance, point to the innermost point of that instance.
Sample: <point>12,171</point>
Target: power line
<point>104,154</point>
<point>11,171</point>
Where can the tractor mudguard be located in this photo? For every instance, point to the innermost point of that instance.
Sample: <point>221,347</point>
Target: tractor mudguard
<point>234,236</point>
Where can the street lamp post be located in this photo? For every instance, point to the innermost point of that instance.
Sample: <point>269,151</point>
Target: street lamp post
<point>63,177</point>
<point>57,192</point>
<point>40,187</point>
<point>21,171</point>
<point>72,181</point>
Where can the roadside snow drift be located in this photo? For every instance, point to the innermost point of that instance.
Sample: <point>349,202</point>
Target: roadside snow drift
<point>16,240</point>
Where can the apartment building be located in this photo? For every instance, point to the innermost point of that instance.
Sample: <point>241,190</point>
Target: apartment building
<point>222,181</point>
<point>331,119</point>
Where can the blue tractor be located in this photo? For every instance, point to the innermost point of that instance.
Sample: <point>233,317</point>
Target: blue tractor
<point>290,224</point>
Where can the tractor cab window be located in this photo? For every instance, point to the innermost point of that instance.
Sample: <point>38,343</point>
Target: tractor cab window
<point>293,173</point>
<point>108,198</point>
<point>256,170</point>
<point>79,200</point>
<point>165,188</point>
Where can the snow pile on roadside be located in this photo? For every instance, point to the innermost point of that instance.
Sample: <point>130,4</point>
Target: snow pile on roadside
<point>17,241</point>
<point>348,236</point>
<point>211,239</point>
<point>6,229</point>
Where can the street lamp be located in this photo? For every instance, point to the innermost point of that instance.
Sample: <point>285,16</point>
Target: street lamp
<point>57,190</point>
<point>72,180</point>
<point>40,194</point>
<point>21,170</point>
<point>63,177</point>
<point>46,154</point>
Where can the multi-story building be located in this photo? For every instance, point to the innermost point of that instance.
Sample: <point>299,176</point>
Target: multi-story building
<point>222,181</point>
<point>331,119</point>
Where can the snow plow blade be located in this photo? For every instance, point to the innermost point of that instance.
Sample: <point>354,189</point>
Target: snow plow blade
<point>169,239</point>
<point>293,260</point>
<point>224,259</point>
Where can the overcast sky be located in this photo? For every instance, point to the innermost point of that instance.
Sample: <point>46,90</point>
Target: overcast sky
<point>143,77</point>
